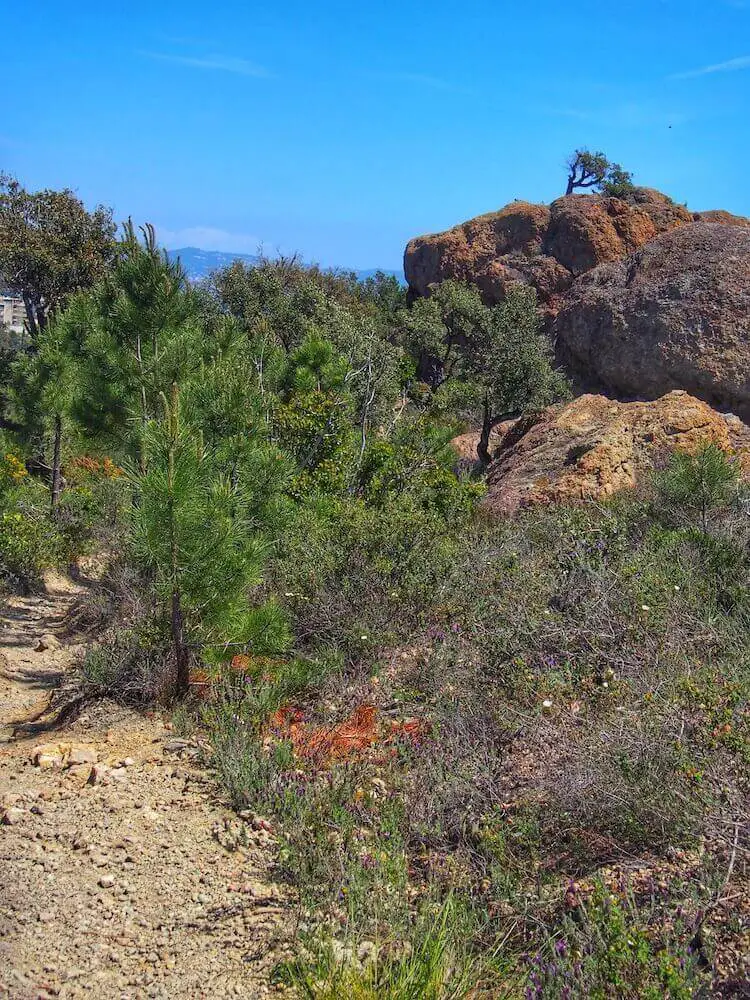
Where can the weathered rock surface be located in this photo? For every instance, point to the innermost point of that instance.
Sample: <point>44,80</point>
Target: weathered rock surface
<point>593,447</point>
<point>676,314</point>
<point>545,246</point>
<point>722,217</point>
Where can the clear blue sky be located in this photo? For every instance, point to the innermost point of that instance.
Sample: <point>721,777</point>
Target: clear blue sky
<point>341,129</point>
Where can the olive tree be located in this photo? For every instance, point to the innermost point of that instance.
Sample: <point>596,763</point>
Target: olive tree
<point>50,247</point>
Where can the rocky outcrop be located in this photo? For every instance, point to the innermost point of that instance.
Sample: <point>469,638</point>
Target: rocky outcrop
<point>723,218</point>
<point>544,246</point>
<point>593,447</point>
<point>676,314</point>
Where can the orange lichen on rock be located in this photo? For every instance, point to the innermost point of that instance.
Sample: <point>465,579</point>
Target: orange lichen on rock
<point>592,447</point>
<point>546,246</point>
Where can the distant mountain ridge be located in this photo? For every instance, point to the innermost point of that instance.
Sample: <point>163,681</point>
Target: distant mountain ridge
<point>199,263</point>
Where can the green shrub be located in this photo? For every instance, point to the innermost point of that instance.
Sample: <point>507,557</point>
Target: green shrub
<point>694,487</point>
<point>605,949</point>
<point>29,540</point>
<point>130,666</point>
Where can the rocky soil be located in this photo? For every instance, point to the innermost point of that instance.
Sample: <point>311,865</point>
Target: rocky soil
<point>123,874</point>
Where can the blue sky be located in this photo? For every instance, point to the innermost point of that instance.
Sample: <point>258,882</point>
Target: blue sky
<point>342,129</point>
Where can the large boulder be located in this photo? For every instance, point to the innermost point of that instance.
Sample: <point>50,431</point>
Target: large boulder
<point>544,246</point>
<point>676,314</point>
<point>593,447</point>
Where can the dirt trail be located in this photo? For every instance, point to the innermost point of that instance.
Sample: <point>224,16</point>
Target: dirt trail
<point>122,874</point>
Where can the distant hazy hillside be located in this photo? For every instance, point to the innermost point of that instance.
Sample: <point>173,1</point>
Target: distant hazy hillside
<point>200,263</point>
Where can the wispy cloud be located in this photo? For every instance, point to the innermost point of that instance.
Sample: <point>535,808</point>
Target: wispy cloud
<point>208,238</point>
<point>220,63</point>
<point>730,66</point>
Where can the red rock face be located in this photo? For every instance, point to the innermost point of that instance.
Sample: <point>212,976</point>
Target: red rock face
<point>674,315</point>
<point>544,246</point>
<point>593,447</point>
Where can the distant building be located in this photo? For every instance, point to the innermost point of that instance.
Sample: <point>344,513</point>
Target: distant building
<point>12,311</point>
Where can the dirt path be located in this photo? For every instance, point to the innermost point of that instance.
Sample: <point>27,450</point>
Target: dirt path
<point>122,875</point>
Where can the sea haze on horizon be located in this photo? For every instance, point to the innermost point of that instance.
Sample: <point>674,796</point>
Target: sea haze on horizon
<point>199,263</point>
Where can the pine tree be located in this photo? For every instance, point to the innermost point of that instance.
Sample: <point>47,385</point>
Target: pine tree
<point>191,529</point>
<point>44,386</point>
<point>693,486</point>
<point>142,334</point>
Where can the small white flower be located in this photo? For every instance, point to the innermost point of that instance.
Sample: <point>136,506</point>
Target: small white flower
<point>645,607</point>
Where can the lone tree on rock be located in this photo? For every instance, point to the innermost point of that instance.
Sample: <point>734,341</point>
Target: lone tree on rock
<point>594,170</point>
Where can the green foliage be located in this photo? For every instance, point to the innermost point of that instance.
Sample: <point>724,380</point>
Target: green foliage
<point>191,528</point>
<point>605,949</point>
<point>693,487</point>
<point>484,364</point>
<point>594,170</point>
<point>136,334</point>
<point>29,543</point>
<point>619,183</point>
<point>50,247</point>
<point>433,963</point>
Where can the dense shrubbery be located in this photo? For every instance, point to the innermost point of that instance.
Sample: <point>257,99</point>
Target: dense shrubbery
<point>522,706</point>
<point>557,665</point>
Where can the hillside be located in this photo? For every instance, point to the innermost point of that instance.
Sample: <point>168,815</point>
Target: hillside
<point>379,643</point>
<point>199,264</point>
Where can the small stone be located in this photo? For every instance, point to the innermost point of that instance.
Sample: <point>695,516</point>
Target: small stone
<point>367,952</point>
<point>82,755</point>
<point>106,881</point>
<point>49,755</point>
<point>46,641</point>
<point>12,816</point>
<point>127,762</point>
<point>78,771</point>
<point>99,774</point>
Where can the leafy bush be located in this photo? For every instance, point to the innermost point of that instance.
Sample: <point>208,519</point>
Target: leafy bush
<point>29,541</point>
<point>605,948</point>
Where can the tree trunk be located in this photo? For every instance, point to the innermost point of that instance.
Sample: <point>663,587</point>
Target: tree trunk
<point>483,448</point>
<point>571,186</point>
<point>56,482</point>
<point>182,681</point>
<point>144,414</point>
<point>489,423</point>
<point>181,655</point>
<point>30,317</point>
